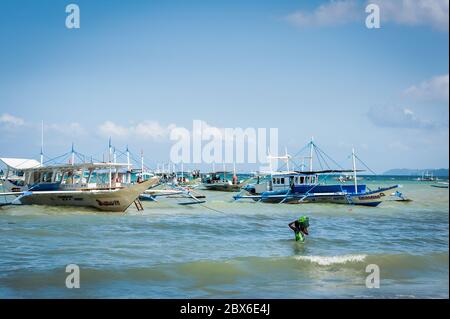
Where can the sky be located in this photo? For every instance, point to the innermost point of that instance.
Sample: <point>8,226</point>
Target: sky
<point>135,70</point>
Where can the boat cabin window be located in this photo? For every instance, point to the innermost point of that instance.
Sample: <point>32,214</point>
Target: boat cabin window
<point>282,181</point>
<point>302,179</point>
<point>47,177</point>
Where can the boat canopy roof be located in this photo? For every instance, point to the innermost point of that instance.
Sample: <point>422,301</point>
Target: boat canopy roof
<point>20,163</point>
<point>78,167</point>
<point>217,172</point>
<point>330,171</point>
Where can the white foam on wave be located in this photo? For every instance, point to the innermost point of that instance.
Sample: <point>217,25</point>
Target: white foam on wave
<point>330,260</point>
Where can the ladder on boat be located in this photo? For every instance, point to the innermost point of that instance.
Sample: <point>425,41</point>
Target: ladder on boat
<point>138,205</point>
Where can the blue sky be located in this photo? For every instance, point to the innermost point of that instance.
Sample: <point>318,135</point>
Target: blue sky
<point>135,69</point>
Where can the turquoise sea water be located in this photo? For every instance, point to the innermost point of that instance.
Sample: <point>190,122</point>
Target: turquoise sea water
<point>230,249</point>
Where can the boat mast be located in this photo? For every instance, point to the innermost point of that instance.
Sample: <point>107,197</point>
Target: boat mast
<point>142,164</point>
<point>224,172</point>
<point>128,167</point>
<point>287,159</point>
<point>269,157</point>
<point>73,155</point>
<point>311,148</point>
<point>182,171</point>
<point>354,170</point>
<point>42,143</point>
<point>109,160</point>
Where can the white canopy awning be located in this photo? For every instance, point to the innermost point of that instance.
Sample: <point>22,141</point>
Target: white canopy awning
<point>20,163</point>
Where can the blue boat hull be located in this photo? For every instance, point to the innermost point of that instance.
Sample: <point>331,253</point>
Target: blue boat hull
<point>338,194</point>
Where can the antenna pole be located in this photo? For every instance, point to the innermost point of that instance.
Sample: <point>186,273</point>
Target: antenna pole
<point>311,148</point>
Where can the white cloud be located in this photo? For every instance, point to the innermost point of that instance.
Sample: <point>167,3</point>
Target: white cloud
<point>73,129</point>
<point>436,89</point>
<point>433,13</point>
<point>11,120</point>
<point>329,14</point>
<point>145,129</point>
<point>228,135</point>
<point>399,117</point>
<point>152,129</point>
<point>109,128</point>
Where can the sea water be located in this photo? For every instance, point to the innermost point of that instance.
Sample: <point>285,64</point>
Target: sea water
<point>228,249</point>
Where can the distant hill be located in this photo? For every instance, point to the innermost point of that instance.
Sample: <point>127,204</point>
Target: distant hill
<point>417,172</point>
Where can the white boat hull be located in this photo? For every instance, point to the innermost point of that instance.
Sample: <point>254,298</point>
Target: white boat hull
<point>117,200</point>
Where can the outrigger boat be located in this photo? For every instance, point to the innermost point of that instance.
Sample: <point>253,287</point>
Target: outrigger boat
<point>440,185</point>
<point>103,186</point>
<point>172,191</point>
<point>297,187</point>
<point>218,181</point>
<point>427,177</point>
<point>347,178</point>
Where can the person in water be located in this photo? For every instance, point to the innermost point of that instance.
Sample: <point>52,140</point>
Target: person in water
<point>300,228</point>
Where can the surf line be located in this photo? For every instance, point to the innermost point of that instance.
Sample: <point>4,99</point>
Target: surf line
<point>192,309</point>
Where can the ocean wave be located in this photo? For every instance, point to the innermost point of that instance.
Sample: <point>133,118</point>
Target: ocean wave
<point>237,274</point>
<point>331,260</point>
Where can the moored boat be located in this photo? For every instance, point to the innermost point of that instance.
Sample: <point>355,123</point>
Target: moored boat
<point>103,186</point>
<point>218,181</point>
<point>297,187</point>
<point>440,185</point>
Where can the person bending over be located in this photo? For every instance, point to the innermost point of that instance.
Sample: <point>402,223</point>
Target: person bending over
<point>300,228</point>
